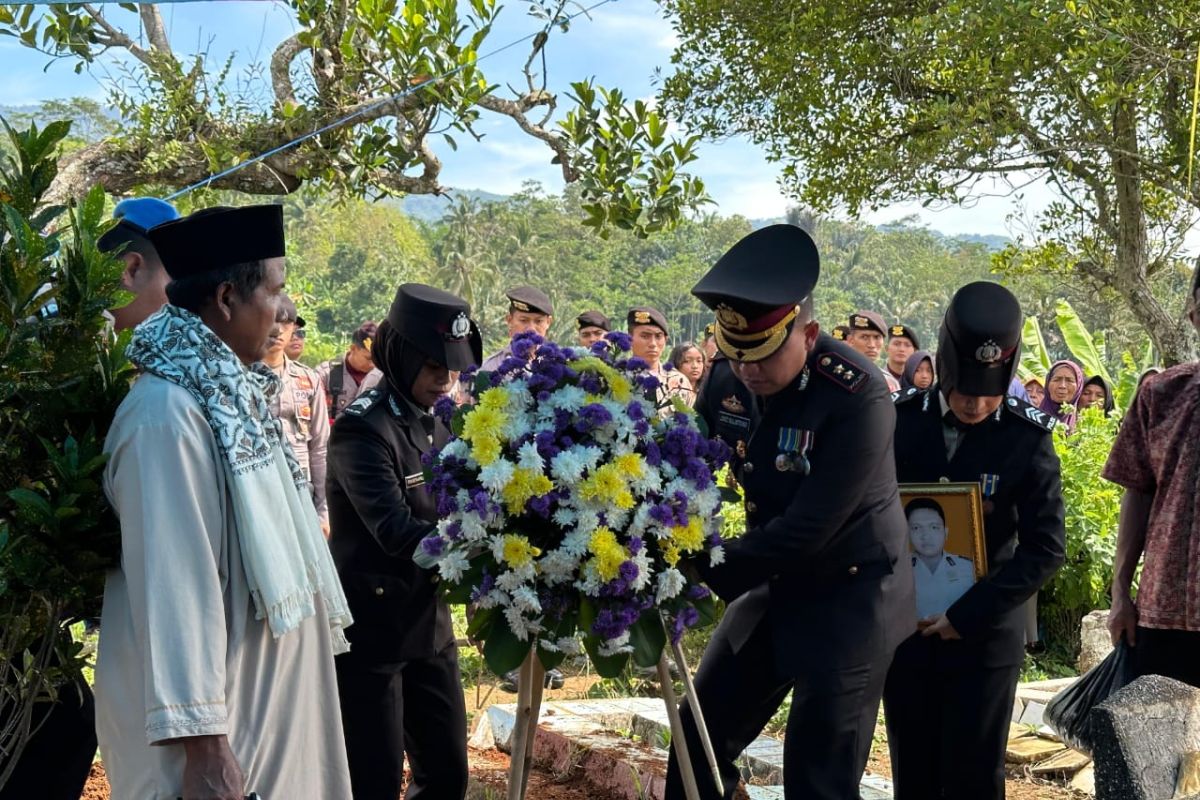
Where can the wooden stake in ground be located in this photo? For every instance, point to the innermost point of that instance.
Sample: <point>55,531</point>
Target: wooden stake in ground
<point>678,740</point>
<point>529,701</point>
<point>697,713</point>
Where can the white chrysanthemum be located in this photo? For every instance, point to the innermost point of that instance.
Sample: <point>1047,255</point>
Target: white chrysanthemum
<point>669,584</point>
<point>716,556</point>
<point>587,521</point>
<point>641,520</point>
<point>513,579</point>
<point>567,467</point>
<point>529,458</point>
<point>616,518</point>
<point>565,517</point>
<point>549,645</point>
<point>645,570</point>
<point>473,526</point>
<point>707,501</point>
<point>613,647</point>
<point>456,448</point>
<point>649,481</point>
<point>590,455</point>
<point>494,599</point>
<point>496,475</point>
<point>526,599</point>
<point>568,398</point>
<point>558,566</point>
<point>453,565</point>
<point>569,645</point>
<point>521,627</point>
<point>519,426</point>
<point>576,542</point>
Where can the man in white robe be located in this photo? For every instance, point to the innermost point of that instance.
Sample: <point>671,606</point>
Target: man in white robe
<point>206,686</point>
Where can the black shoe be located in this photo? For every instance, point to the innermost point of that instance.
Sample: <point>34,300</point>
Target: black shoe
<point>554,679</point>
<point>509,682</point>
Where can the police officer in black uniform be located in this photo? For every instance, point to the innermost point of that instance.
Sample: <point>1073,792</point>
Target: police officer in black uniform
<point>949,694</point>
<point>399,684</point>
<point>820,586</point>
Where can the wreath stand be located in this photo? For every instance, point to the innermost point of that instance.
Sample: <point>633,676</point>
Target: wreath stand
<point>530,685</point>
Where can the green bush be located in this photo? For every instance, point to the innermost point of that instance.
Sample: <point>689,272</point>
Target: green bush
<point>62,375</point>
<point>1093,506</point>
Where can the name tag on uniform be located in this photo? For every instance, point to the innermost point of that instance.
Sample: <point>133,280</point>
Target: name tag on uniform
<point>733,421</point>
<point>414,480</point>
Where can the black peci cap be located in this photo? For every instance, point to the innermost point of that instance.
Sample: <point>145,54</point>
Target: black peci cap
<point>218,237</point>
<point>904,332</point>
<point>867,321</point>
<point>438,323</point>
<point>980,340</point>
<point>645,315</point>
<point>593,319</point>
<point>757,287</point>
<point>529,300</point>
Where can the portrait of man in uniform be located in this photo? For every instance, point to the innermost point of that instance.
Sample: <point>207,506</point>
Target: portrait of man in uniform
<point>945,536</point>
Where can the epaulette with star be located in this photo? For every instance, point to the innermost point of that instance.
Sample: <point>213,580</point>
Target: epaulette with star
<point>364,403</point>
<point>1031,414</point>
<point>843,372</point>
<point>904,395</point>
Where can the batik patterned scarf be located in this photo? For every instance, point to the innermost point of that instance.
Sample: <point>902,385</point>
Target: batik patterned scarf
<point>286,559</point>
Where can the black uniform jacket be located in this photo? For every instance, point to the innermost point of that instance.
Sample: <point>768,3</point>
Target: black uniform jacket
<point>824,556</point>
<point>379,510</point>
<point>1011,454</point>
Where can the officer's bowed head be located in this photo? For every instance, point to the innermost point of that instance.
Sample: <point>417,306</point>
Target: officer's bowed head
<point>438,324</point>
<point>979,343</point>
<point>758,290</point>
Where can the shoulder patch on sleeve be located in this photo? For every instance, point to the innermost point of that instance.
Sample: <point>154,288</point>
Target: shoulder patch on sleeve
<point>1031,414</point>
<point>841,371</point>
<point>904,395</point>
<point>364,403</point>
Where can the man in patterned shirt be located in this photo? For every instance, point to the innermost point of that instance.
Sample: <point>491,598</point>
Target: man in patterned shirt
<point>1157,460</point>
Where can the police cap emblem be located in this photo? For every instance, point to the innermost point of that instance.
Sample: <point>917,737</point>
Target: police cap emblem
<point>730,318</point>
<point>460,326</point>
<point>989,352</point>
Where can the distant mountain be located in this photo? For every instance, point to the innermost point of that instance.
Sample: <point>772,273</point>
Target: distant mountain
<point>431,208</point>
<point>991,241</point>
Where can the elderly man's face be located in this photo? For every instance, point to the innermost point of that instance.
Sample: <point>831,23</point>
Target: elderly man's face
<point>246,322</point>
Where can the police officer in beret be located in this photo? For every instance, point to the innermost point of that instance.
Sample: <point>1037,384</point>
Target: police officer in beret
<point>649,334</point>
<point>820,585</point>
<point>592,326</point>
<point>840,332</point>
<point>400,686</point>
<point>529,309</point>
<point>949,694</point>
<point>902,343</point>
<point>865,334</point>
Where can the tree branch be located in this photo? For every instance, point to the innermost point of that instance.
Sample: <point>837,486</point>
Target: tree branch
<point>516,110</point>
<point>116,37</point>
<point>156,31</point>
<point>425,183</point>
<point>281,66</point>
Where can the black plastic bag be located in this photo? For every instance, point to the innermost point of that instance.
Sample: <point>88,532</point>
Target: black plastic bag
<point>1069,713</point>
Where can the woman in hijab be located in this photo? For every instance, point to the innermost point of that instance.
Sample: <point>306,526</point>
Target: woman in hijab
<point>918,371</point>
<point>1064,384</point>
<point>1097,392</point>
<point>1036,391</point>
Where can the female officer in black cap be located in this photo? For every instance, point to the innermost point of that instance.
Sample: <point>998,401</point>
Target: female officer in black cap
<point>949,694</point>
<point>820,583</point>
<point>399,684</point>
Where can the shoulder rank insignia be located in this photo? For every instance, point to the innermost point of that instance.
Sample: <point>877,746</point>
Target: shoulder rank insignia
<point>1031,414</point>
<point>904,395</point>
<point>733,405</point>
<point>364,403</point>
<point>841,371</point>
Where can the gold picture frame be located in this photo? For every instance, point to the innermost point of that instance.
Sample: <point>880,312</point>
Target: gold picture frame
<point>948,532</point>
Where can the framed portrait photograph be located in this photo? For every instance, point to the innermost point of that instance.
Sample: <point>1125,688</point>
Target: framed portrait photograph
<point>945,538</point>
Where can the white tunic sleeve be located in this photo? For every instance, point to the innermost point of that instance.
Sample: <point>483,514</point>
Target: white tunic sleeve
<point>167,489</point>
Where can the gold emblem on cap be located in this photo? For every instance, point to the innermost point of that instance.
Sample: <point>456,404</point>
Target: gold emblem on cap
<point>897,330</point>
<point>989,352</point>
<point>730,318</point>
<point>519,306</point>
<point>860,322</point>
<point>641,317</point>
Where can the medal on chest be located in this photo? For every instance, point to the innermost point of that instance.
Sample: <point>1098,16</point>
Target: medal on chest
<point>988,484</point>
<point>794,445</point>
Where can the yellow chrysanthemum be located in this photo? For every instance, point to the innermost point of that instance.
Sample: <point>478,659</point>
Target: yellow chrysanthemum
<point>518,551</point>
<point>607,553</point>
<point>483,423</point>
<point>689,538</point>
<point>670,554</point>
<point>630,465</point>
<point>606,486</point>
<point>485,450</point>
<point>493,399</point>
<point>525,485</point>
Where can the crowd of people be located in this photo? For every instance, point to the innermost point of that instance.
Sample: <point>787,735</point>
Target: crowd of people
<point>268,631</point>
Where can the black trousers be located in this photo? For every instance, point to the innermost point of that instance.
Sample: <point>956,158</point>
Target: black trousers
<point>416,709</point>
<point>947,730</point>
<point>1172,654</point>
<point>56,762</point>
<point>829,727</point>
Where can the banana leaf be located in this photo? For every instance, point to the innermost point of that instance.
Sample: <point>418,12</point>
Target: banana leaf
<point>1080,342</point>
<point>1035,360</point>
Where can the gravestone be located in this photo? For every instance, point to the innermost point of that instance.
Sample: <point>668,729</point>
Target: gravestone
<point>1094,641</point>
<point>1140,733</point>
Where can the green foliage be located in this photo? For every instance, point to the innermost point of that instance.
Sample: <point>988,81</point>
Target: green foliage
<point>1093,507</point>
<point>61,377</point>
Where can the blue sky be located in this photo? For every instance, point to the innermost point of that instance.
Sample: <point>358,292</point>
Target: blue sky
<point>620,45</point>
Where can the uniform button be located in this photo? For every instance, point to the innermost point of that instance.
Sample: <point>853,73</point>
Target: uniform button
<point>748,467</point>
<point>943,479</point>
<point>751,507</point>
<point>379,590</point>
<point>854,570</point>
